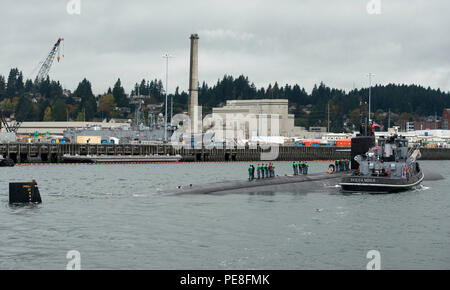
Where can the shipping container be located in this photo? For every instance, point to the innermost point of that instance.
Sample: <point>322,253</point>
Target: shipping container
<point>311,143</point>
<point>89,139</point>
<point>344,142</point>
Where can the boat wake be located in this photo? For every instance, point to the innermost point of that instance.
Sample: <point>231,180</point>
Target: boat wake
<point>145,195</point>
<point>421,187</point>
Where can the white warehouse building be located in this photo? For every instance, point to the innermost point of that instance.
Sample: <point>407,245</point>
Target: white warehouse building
<point>247,119</point>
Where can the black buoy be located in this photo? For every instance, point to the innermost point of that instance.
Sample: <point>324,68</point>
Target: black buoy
<point>24,192</point>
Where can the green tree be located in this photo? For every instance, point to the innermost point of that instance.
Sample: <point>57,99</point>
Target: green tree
<point>23,109</point>
<point>35,114</point>
<point>355,117</point>
<point>59,112</point>
<point>88,103</point>
<point>48,114</point>
<point>12,87</point>
<point>80,117</point>
<point>119,95</point>
<point>2,87</point>
<point>6,105</point>
<point>107,105</point>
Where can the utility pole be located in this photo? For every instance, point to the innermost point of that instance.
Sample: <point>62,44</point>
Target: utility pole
<point>328,123</point>
<point>167,56</point>
<point>389,118</point>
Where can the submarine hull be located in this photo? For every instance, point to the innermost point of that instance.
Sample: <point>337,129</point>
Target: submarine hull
<point>278,183</point>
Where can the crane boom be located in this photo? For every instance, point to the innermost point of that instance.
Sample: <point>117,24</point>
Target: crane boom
<point>9,127</point>
<point>45,68</point>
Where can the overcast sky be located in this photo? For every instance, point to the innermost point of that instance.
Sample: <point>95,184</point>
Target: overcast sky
<point>298,41</point>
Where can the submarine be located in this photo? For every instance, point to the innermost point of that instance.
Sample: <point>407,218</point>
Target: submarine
<point>292,183</point>
<point>362,143</point>
<point>278,183</point>
<point>287,183</point>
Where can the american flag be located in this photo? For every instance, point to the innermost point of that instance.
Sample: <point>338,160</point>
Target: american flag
<point>375,148</point>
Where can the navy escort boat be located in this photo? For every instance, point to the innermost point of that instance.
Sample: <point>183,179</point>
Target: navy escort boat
<point>389,167</point>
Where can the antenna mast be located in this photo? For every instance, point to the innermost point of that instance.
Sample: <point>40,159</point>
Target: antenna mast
<point>370,93</point>
<point>167,56</point>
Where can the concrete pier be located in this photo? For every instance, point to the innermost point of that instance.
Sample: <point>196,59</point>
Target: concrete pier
<point>53,153</point>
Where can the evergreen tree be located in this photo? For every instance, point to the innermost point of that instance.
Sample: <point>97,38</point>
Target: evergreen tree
<point>12,84</point>
<point>29,87</point>
<point>59,111</point>
<point>88,104</point>
<point>119,95</point>
<point>24,109</point>
<point>2,87</point>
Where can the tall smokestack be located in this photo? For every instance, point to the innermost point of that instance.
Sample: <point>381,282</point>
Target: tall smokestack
<point>193,84</point>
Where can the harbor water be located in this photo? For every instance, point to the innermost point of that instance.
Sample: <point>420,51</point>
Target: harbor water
<point>116,218</point>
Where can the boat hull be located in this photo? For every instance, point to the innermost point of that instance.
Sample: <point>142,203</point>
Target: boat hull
<point>376,184</point>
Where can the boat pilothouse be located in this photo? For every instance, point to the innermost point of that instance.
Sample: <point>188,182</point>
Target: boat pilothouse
<point>389,167</point>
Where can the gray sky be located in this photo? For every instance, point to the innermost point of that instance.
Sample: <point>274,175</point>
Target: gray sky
<point>289,41</point>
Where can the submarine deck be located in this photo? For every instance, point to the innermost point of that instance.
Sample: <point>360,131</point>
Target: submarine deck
<point>233,185</point>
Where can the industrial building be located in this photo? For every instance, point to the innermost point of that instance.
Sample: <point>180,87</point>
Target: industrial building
<point>253,118</point>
